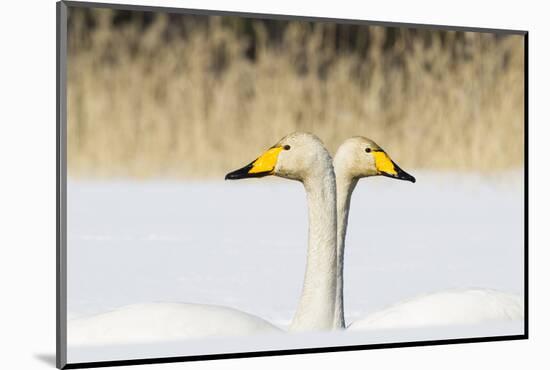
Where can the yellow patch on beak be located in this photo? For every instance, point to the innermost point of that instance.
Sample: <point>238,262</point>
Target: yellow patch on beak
<point>267,161</point>
<point>384,163</point>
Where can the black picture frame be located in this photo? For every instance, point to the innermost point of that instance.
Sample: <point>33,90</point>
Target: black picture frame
<point>61,189</point>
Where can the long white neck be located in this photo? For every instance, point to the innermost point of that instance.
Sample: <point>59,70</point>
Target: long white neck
<point>316,307</point>
<point>344,188</point>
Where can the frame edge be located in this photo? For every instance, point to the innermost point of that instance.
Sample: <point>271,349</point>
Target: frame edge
<point>61,185</point>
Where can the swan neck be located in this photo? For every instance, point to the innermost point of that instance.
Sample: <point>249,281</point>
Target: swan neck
<point>316,307</point>
<point>344,188</point>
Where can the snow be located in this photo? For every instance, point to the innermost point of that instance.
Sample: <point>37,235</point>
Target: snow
<point>242,244</point>
<point>274,342</point>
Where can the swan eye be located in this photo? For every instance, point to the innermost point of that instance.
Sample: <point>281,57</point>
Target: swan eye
<point>286,147</point>
<point>368,150</point>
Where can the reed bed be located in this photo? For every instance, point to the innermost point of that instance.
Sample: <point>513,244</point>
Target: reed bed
<point>198,101</point>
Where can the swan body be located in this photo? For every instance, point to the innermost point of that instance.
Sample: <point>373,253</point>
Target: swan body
<point>153,322</point>
<point>298,156</point>
<point>449,307</point>
<point>360,157</point>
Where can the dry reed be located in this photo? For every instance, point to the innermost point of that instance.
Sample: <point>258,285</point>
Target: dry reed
<point>143,104</point>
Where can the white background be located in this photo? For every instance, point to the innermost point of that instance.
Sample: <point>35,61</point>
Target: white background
<point>27,199</point>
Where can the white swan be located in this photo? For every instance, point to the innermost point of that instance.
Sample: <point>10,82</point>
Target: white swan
<point>302,157</point>
<point>299,157</point>
<point>360,157</point>
<point>152,322</point>
<point>446,308</point>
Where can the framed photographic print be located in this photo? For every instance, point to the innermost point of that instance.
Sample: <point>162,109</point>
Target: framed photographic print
<point>234,184</point>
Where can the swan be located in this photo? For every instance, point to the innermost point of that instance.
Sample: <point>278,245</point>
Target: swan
<point>298,156</point>
<point>155,322</point>
<point>302,157</point>
<point>360,157</point>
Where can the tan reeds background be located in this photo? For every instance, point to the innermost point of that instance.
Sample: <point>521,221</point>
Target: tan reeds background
<point>151,101</point>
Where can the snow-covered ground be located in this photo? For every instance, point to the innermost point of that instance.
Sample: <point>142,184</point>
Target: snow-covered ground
<point>242,244</point>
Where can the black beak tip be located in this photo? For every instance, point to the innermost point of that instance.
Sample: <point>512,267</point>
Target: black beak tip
<point>235,175</point>
<point>242,173</point>
<point>400,175</point>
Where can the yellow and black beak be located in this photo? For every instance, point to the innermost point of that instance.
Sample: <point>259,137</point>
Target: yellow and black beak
<point>387,167</point>
<point>264,165</point>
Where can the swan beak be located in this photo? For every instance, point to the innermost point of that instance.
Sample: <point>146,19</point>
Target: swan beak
<point>264,165</point>
<point>387,167</point>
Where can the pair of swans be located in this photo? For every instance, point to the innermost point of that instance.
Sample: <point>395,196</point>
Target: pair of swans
<point>329,185</point>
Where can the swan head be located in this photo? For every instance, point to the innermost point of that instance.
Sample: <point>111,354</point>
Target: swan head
<point>359,157</point>
<point>296,156</point>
